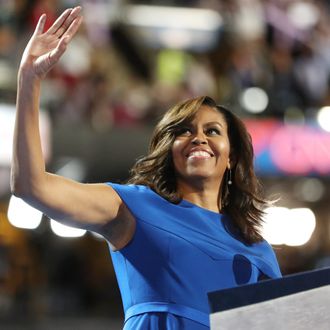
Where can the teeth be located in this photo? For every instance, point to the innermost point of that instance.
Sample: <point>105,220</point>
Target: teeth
<point>199,153</point>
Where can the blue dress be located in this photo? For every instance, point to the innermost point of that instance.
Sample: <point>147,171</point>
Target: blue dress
<point>177,254</point>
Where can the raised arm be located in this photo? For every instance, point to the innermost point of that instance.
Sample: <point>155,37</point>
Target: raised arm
<point>91,206</point>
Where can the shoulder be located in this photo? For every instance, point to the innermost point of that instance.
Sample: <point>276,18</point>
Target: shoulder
<point>139,198</point>
<point>264,248</point>
<point>141,206</point>
<point>266,252</point>
<point>122,186</point>
<point>131,190</point>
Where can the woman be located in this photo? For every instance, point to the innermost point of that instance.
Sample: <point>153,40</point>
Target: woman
<point>188,221</point>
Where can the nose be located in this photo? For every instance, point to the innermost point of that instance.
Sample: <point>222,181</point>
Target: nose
<point>198,139</point>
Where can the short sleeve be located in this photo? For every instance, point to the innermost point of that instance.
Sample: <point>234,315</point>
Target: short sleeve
<point>141,200</point>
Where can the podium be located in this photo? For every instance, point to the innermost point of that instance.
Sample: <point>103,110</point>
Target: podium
<point>300,301</point>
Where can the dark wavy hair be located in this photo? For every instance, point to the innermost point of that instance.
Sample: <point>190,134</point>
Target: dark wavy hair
<point>241,201</point>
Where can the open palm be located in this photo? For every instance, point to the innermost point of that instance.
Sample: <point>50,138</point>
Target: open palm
<point>45,48</point>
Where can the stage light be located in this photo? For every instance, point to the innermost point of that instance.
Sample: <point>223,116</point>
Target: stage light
<point>173,17</point>
<point>303,15</point>
<point>300,227</point>
<point>292,227</point>
<point>22,215</point>
<point>323,118</point>
<point>254,100</point>
<point>274,222</point>
<point>66,231</point>
<point>165,27</point>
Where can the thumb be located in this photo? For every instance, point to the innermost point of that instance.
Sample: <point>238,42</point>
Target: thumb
<point>55,55</point>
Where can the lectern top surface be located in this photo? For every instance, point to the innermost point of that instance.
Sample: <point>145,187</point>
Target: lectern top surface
<point>269,289</point>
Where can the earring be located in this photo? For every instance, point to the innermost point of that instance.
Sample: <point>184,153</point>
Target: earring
<point>226,189</point>
<point>229,182</point>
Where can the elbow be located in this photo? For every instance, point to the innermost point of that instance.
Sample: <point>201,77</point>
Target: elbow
<point>14,185</point>
<point>18,188</point>
<point>25,188</point>
<point>20,191</point>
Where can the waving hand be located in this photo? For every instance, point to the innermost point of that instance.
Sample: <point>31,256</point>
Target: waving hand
<point>45,48</point>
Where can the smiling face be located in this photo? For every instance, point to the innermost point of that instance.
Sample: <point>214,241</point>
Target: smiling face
<point>201,148</point>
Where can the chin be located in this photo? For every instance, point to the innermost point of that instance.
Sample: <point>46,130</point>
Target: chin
<point>202,175</point>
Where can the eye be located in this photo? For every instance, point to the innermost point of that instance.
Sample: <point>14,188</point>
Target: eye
<point>213,131</point>
<point>184,131</point>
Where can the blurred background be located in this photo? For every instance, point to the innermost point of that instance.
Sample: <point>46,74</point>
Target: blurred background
<point>266,60</point>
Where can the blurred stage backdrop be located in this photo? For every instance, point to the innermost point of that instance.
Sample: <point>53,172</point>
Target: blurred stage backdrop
<point>267,60</point>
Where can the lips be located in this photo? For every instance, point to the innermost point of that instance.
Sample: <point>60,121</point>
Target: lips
<point>200,154</point>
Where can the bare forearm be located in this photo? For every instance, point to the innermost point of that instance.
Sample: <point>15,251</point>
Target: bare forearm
<point>28,167</point>
<point>85,205</point>
<point>42,52</point>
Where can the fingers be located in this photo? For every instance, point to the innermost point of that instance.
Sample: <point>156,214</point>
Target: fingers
<point>55,55</point>
<point>65,39</point>
<point>41,24</point>
<point>59,21</point>
<point>65,21</point>
<point>71,31</point>
<point>60,34</point>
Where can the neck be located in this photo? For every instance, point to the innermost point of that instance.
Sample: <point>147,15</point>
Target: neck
<point>203,194</point>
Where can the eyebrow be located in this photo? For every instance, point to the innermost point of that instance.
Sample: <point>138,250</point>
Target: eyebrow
<point>209,123</point>
<point>214,123</point>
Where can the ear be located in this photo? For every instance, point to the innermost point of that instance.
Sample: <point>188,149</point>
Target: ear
<point>228,164</point>
<point>232,161</point>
